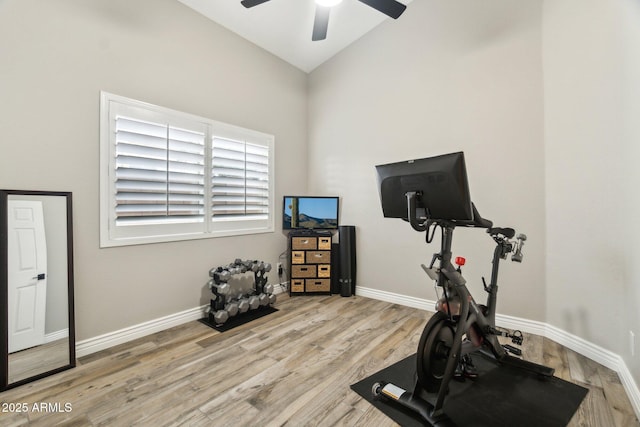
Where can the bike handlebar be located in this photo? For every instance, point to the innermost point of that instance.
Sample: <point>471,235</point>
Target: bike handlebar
<point>423,224</point>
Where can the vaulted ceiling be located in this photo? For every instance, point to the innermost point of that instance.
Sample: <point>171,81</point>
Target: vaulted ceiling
<point>284,27</point>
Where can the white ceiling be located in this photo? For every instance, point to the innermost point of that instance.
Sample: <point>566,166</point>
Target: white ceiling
<point>283,27</point>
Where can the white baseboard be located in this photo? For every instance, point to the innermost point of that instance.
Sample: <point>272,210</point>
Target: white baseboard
<point>280,288</point>
<point>57,335</point>
<point>394,298</point>
<point>630,387</point>
<point>577,344</point>
<point>121,336</point>
<point>102,342</point>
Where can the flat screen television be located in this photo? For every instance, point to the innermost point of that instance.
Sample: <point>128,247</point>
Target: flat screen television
<point>316,213</point>
<point>440,183</point>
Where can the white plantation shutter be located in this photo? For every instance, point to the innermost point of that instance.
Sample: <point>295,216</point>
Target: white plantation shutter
<point>165,177</point>
<point>239,180</point>
<point>159,173</point>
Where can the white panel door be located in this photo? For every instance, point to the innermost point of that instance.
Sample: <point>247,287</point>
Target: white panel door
<point>27,274</point>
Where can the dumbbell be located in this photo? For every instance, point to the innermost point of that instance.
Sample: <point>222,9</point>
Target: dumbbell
<point>232,308</point>
<point>268,288</point>
<point>254,302</point>
<point>224,276</point>
<point>265,267</point>
<point>220,289</point>
<point>220,292</point>
<point>243,305</point>
<point>220,316</point>
<point>216,270</point>
<point>272,299</point>
<point>517,256</point>
<point>264,299</point>
<point>220,275</point>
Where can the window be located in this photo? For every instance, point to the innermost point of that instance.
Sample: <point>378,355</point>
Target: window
<point>167,175</point>
<point>240,180</point>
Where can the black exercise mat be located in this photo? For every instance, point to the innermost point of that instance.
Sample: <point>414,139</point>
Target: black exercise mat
<point>240,319</point>
<point>501,396</point>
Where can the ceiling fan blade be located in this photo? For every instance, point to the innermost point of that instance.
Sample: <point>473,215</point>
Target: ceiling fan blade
<point>320,23</point>
<point>390,8</point>
<point>251,3</point>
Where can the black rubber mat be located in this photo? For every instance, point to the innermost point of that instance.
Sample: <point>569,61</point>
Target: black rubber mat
<point>500,396</point>
<point>240,319</point>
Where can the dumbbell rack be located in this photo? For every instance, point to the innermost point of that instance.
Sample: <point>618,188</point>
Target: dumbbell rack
<point>229,308</point>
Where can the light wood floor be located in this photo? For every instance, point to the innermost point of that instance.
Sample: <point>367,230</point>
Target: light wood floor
<point>36,360</point>
<point>293,367</point>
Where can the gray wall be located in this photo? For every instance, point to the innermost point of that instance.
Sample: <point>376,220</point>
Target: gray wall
<point>56,56</point>
<point>592,105</point>
<point>446,76</point>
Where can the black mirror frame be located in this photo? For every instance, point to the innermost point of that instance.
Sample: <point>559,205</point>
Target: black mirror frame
<point>4,303</point>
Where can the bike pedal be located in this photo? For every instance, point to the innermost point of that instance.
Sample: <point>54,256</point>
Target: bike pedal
<point>517,338</point>
<point>512,349</point>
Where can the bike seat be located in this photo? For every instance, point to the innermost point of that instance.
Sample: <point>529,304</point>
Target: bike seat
<point>506,232</point>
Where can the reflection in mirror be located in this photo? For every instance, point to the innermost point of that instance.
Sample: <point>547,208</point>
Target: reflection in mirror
<point>37,285</point>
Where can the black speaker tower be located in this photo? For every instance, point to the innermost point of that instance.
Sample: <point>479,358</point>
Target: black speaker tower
<point>335,265</point>
<point>347,260</point>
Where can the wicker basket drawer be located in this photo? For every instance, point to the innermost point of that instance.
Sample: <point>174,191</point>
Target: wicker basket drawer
<point>318,285</point>
<point>324,270</point>
<point>324,243</point>
<point>319,257</point>
<point>297,285</point>
<point>297,257</point>
<point>303,270</point>
<point>304,243</point>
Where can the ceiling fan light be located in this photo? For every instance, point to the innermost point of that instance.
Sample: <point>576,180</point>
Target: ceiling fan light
<point>328,3</point>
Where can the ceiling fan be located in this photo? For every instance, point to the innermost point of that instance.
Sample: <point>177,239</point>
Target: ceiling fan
<point>390,8</point>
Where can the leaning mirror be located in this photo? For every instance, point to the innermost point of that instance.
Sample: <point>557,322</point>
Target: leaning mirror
<point>37,335</point>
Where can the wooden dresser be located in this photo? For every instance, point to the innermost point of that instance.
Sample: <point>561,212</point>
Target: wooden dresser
<point>310,262</point>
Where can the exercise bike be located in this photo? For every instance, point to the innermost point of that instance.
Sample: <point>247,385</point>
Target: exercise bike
<point>460,326</point>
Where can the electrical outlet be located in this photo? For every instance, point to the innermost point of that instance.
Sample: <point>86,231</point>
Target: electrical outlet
<point>632,343</point>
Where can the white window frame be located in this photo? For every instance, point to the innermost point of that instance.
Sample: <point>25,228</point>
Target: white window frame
<point>112,235</point>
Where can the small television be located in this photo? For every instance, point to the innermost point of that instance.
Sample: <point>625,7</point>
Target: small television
<point>315,213</point>
<point>440,184</point>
